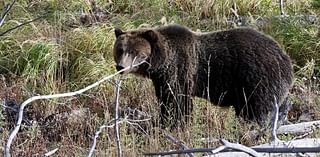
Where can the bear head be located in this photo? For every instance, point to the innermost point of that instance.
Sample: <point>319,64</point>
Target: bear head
<point>134,47</point>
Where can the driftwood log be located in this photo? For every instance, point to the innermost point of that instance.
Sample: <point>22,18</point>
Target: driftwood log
<point>299,128</point>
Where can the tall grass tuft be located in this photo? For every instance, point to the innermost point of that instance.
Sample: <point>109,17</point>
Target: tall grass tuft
<point>299,38</point>
<point>89,54</point>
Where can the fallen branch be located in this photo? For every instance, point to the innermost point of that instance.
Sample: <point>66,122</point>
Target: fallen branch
<point>219,149</point>
<point>227,147</point>
<point>299,128</point>
<point>259,149</point>
<point>25,103</point>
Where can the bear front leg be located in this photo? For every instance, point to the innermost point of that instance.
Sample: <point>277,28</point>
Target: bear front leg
<point>184,102</point>
<point>176,104</point>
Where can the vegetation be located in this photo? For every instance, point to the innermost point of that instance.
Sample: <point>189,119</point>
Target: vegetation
<point>71,47</point>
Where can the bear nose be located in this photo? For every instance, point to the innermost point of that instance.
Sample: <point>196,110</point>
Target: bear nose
<point>119,67</point>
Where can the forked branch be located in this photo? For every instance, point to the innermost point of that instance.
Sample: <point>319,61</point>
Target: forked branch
<point>28,101</point>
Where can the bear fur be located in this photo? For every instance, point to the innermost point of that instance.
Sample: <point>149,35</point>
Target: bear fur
<point>239,67</point>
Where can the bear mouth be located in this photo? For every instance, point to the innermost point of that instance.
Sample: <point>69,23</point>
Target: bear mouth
<point>130,70</point>
<point>119,67</point>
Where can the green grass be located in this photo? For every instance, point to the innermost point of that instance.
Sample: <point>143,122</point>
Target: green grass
<point>298,37</point>
<point>58,54</point>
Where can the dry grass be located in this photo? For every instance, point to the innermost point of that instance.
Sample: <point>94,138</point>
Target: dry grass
<point>58,54</point>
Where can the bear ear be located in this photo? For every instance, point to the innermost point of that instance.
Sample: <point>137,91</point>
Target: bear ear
<point>150,35</point>
<point>118,32</point>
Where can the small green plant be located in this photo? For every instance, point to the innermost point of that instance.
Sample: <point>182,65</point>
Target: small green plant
<point>316,4</point>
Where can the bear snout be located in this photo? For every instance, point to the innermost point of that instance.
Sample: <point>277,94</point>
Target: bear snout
<point>119,67</point>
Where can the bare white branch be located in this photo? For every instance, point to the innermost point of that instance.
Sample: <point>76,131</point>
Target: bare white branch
<point>281,5</point>
<point>208,77</point>
<point>2,103</point>
<point>25,103</point>
<point>96,135</point>
<point>110,124</point>
<point>275,121</point>
<point>134,123</point>
<point>51,152</point>
<point>240,147</point>
<point>116,126</point>
<point>219,149</point>
<point>5,12</point>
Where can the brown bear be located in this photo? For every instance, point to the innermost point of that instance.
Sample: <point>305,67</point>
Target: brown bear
<point>239,67</point>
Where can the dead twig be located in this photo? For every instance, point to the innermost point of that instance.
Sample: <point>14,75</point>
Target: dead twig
<point>177,142</point>
<point>219,149</point>
<point>134,123</point>
<point>97,133</point>
<point>208,77</point>
<point>281,6</point>
<point>20,25</point>
<point>8,107</point>
<point>51,152</point>
<point>116,126</point>
<point>4,15</point>
<point>6,10</point>
<point>110,124</point>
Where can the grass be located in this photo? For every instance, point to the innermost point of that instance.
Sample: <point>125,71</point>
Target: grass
<point>299,38</point>
<point>58,54</point>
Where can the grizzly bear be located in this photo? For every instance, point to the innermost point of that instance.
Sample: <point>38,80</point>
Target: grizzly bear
<point>239,67</point>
